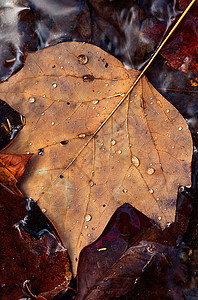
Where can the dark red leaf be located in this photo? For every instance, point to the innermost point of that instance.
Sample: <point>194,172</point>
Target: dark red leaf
<point>32,257</point>
<point>130,251</point>
<point>181,49</point>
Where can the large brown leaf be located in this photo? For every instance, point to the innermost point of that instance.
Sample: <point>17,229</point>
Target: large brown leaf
<point>141,155</point>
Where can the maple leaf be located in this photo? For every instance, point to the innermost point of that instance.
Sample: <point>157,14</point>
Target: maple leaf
<point>92,153</point>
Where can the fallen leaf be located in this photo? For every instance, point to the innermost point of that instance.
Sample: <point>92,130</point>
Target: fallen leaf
<point>125,259</point>
<point>83,170</point>
<point>181,49</point>
<point>12,168</point>
<point>16,164</point>
<point>11,123</point>
<point>33,260</point>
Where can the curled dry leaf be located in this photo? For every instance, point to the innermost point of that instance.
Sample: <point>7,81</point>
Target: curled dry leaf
<point>140,156</point>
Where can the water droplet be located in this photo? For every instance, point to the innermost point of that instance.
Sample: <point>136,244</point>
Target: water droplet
<point>88,218</point>
<point>27,152</point>
<point>120,151</point>
<point>95,102</point>
<point>159,218</point>
<point>168,110</point>
<point>62,67</point>
<point>151,98</point>
<point>42,114</point>
<point>52,123</point>
<point>125,191</point>
<point>173,147</point>
<point>135,161</point>
<point>150,171</point>
<point>31,99</point>
<point>107,84</point>
<point>82,135</point>
<point>180,127</point>
<point>159,103</point>
<point>44,96</point>
<point>86,226</point>
<point>44,210</point>
<point>30,144</point>
<point>83,59</point>
<point>113,142</point>
<point>157,199</point>
<point>42,188</point>
<point>88,78</point>
<point>41,151</point>
<point>91,183</point>
<point>151,191</point>
<point>54,85</point>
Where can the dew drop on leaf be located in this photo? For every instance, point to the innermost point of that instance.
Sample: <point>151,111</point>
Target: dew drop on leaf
<point>88,218</point>
<point>95,102</point>
<point>135,161</point>
<point>31,99</point>
<point>150,171</point>
<point>83,59</point>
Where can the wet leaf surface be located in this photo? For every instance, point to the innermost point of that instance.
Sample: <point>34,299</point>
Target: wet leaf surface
<point>11,123</point>
<point>134,258</point>
<point>67,99</point>
<point>32,258</point>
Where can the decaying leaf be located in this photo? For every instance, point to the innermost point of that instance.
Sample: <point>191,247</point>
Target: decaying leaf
<point>125,257</point>
<point>140,156</point>
<point>181,49</point>
<point>12,168</point>
<point>11,122</point>
<point>33,260</point>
